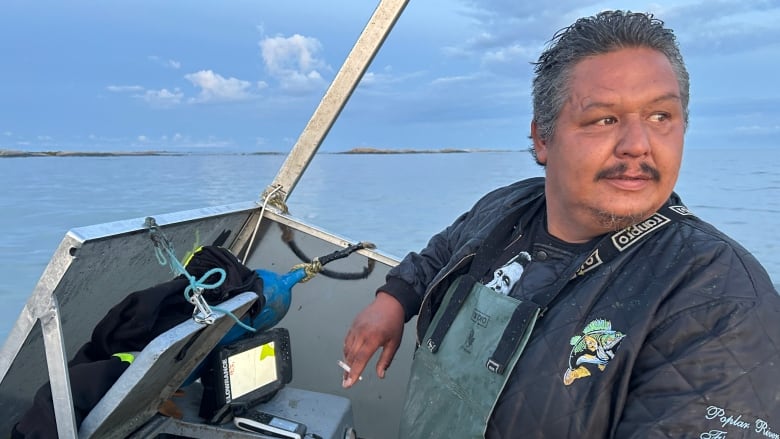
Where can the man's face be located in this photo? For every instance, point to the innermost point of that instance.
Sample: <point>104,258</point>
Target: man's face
<point>617,148</point>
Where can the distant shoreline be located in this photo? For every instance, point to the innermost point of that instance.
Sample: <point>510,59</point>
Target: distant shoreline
<point>9,153</point>
<point>366,150</point>
<point>5,153</point>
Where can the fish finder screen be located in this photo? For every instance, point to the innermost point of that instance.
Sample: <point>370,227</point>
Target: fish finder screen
<point>252,369</point>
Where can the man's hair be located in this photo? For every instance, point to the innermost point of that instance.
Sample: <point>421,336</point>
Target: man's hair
<point>603,33</point>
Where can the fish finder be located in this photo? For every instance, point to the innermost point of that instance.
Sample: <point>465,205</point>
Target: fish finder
<point>244,373</point>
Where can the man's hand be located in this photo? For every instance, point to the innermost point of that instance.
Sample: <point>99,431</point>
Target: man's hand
<point>380,324</point>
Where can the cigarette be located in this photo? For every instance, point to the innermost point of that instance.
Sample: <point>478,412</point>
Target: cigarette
<point>347,369</point>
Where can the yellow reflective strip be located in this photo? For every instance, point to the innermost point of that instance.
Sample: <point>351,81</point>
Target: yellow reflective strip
<point>188,257</point>
<point>125,356</point>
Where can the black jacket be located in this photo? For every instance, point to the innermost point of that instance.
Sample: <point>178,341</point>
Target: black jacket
<point>128,327</point>
<point>695,319</point>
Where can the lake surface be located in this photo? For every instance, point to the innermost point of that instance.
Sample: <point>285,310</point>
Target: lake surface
<point>394,201</point>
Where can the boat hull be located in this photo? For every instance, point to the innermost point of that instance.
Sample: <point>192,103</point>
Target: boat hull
<point>95,267</point>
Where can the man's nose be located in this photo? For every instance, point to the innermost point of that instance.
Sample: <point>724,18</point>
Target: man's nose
<point>634,139</point>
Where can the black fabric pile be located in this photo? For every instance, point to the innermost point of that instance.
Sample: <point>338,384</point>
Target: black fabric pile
<point>129,327</point>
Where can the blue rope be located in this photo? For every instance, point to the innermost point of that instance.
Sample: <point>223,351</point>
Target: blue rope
<point>195,284</point>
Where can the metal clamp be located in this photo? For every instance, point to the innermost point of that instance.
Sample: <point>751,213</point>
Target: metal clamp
<point>202,313</point>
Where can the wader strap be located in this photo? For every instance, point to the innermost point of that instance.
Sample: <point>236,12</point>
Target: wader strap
<point>462,291</point>
<point>524,314</point>
<point>488,252</point>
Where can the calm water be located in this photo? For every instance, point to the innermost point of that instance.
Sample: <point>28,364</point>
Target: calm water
<point>395,201</point>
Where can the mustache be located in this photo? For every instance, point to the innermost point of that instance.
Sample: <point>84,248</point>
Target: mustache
<point>621,168</point>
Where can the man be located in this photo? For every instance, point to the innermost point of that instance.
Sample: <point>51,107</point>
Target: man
<point>627,315</point>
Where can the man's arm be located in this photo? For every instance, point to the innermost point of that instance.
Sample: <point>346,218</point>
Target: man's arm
<point>380,324</point>
<point>709,372</point>
<point>399,299</point>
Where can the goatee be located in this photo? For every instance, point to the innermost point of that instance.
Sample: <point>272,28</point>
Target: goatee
<point>613,222</point>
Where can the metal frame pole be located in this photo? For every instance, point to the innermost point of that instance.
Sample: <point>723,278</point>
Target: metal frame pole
<point>345,82</point>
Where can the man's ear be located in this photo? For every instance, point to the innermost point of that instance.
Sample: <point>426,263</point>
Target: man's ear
<point>540,145</point>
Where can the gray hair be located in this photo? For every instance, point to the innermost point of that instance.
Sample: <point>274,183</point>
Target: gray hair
<point>603,33</point>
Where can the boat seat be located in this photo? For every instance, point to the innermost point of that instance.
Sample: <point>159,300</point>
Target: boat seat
<point>157,372</point>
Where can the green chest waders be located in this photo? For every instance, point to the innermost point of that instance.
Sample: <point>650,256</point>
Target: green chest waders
<point>452,391</point>
<point>456,380</point>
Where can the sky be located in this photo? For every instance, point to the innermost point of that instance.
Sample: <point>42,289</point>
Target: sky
<point>246,76</point>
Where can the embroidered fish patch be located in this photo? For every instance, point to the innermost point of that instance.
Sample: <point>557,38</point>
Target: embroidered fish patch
<point>596,346</point>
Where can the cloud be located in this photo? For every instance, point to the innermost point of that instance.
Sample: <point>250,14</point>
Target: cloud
<point>386,78</point>
<point>743,106</point>
<point>294,62</point>
<point>179,141</point>
<point>714,11</point>
<point>498,10</point>
<point>520,29</point>
<point>162,98</point>
<point>509,54</point>
<point>216,88</point>
<point>758,129</point>
<point>448,80</point>
<point>213,88</point>
<point>724,26</point>
<point>167,63</point>
<point>507,34</point>
<point>737,120</point>
<point>124,88</point>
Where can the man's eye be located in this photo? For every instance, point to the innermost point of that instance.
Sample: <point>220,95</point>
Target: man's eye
<point>659,117</point>
<point>607,121</point>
